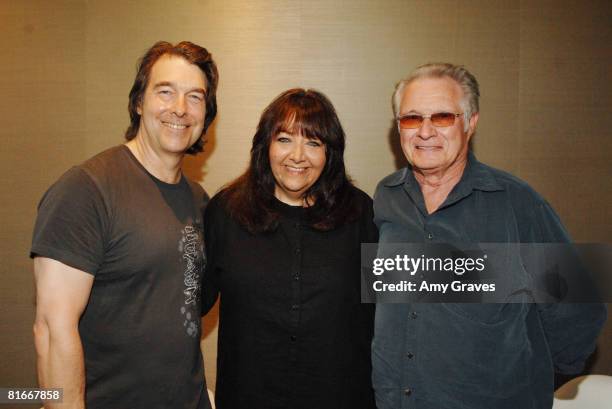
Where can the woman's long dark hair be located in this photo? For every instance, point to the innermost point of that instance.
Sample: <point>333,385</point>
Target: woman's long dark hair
<point>250,198</point>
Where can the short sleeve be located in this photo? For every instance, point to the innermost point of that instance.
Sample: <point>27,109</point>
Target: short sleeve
<point>70,224</point>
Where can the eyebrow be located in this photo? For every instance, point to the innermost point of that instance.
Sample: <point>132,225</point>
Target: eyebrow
<point>170,84</point>
<point>415,112</point>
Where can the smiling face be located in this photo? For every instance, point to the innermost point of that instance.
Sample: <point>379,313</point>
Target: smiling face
<point>173,107</point>
<point>296,163</point>
<point>430,149</point>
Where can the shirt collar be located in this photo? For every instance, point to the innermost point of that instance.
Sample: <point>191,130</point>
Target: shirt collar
<point>400,177</point>
<point>479,176</point>
<point>476,176</point>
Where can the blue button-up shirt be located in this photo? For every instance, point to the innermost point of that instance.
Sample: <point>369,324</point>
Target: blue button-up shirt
<point>489,356</point>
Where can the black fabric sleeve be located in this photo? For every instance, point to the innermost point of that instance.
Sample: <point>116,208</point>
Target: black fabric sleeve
<point>571,329</point>
<point>213,242</point>
<point>369,232</point>
<point>69,226</point>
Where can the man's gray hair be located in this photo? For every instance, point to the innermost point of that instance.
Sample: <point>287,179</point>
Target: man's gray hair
<point>458,73</point>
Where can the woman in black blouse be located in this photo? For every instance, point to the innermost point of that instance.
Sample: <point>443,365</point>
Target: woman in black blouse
<point>283,249</point>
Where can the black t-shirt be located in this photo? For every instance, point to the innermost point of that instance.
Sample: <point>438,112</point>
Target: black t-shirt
<point>292,331</point>
<point>142,240</point>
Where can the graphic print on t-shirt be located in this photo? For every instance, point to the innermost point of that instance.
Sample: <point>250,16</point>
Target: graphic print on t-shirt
<point>191,248</point>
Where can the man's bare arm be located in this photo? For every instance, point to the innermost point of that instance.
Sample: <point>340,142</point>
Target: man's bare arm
<point>62,293</point>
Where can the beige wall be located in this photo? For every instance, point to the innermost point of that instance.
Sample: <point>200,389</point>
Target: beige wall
<point>67,66</point>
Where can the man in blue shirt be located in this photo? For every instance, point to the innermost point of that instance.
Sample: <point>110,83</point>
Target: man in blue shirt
<point>447,356</point>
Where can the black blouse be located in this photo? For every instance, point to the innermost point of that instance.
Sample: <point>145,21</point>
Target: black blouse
<point>292,332</point>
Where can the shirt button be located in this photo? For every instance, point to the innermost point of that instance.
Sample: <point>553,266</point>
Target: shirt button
<point>407,391</point>
<point>410,355</point>
<point>413,315</point>
<point>297,250</point>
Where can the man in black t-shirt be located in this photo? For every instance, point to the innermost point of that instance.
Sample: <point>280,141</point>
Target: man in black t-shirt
<point>118,251</point>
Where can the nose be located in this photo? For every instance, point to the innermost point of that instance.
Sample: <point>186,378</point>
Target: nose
<point>426,130</point>
<point>297,153</point>
<point>179,107</point>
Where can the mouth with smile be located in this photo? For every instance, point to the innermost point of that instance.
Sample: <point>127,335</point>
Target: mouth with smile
<point>427,148</point>
<point>295,170</point>
<point>173,125</point>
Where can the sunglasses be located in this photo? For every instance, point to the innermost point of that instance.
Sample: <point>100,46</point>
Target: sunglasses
<point>439,119</point>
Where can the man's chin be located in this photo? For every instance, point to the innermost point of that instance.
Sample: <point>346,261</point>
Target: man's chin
<point>178,147</point>
<point>426,165</point>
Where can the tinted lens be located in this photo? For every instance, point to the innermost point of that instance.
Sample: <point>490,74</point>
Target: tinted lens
<point>443,119</point>
<point>410,121</point>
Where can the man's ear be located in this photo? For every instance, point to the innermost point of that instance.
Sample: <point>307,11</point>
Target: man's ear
<point>472,125</point>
